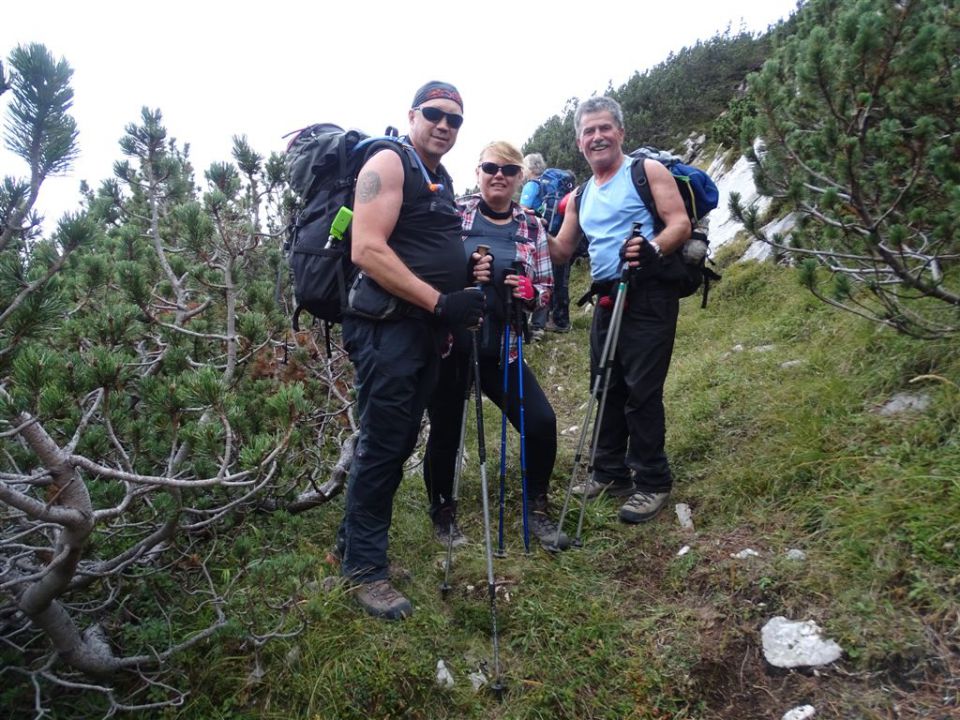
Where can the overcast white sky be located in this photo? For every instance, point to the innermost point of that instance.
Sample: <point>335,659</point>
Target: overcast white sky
<point>217,69</point>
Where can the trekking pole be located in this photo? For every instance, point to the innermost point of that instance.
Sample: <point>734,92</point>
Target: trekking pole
<point>505,359</point>
<point>445,587</point>
<point>603,372</point>
<point>497,686</point>
<point>523,439</point>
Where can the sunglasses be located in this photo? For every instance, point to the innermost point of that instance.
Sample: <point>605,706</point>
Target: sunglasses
<point>508,170</point>
<point>435,115</point>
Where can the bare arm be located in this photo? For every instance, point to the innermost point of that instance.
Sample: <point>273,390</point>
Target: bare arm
<point>676,230</point>
<point>379,197</point>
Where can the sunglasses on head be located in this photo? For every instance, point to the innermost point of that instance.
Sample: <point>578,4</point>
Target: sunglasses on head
<point>435,115</point>
<point>508,170</point>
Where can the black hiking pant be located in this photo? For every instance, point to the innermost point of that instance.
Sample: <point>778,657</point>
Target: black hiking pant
<point>396,364</point>
<point>633,426</point>
<point>446,413</point>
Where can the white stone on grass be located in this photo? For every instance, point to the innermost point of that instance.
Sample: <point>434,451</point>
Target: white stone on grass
<point>444,678</point>
<point>478,680</point>
<point>684,516</point>
<point>803,712</point>
<point>905,402</point>
<point>744,554</point>
<point>789,644</point>
<point>795,554</point>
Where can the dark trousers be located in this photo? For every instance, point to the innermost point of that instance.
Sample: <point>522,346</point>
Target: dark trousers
<point>446,413</point>
<point>633,428</point>
<point>559,308</point>
<point>396,366</point>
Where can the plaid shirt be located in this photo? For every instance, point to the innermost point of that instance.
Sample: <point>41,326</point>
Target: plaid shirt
<point>534,253</point>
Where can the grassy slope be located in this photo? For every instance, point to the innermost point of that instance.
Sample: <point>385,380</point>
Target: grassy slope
<point>768,457</point>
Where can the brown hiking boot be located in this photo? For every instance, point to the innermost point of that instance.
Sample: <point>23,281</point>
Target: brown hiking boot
<point>380,599</point>
<point>446,530</point>
<point>545,529</point>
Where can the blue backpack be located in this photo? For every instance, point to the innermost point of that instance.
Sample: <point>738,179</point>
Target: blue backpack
<point>699,192</point>
<point>555,184</point>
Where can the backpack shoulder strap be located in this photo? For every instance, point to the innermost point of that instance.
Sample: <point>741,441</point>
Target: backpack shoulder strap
<point>638,172</point>
<point>413,176</point>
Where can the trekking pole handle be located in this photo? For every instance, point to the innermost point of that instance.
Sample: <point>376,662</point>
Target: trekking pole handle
<point>480,250</point>
<point>636,231</point>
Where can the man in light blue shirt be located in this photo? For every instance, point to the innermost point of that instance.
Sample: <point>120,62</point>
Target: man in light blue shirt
<point>630,458</point>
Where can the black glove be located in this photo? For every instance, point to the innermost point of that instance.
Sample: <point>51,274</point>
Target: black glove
<point>649,254</point>
<point>463,308</point>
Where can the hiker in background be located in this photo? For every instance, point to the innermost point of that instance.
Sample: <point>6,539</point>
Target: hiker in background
<point>630,459</point>
<point>517,242</point>
<point>408,250</point>
<point>543,192</point>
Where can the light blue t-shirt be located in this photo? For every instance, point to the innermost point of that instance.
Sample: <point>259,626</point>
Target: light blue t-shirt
<point>607,214</point>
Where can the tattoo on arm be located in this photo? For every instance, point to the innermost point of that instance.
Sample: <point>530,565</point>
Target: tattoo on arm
<point>368,186</point>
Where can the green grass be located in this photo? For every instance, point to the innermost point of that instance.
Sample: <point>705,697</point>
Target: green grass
<point>775,444</point>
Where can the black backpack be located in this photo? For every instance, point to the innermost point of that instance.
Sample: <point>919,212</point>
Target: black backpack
<point>322,163</point>
<point>700,196</point>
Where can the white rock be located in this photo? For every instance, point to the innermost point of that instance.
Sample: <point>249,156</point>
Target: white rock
<point>795,554</point>
<point>764,348</point>
<point>572,430</point>
<point>790,364</point>
<point>723,226</point>
<point>803,712</point>
<point>737,348</point>
<point>477,679</point>
<point>444,678</point>
<point>684,516</point>
<point>783,227</point>
<point>905,402</point>
<point>788,644</point>
<point>683,551</point>
<point>744,554</point>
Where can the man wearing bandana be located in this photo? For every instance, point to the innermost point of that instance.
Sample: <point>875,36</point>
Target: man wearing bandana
<point>406,242</point>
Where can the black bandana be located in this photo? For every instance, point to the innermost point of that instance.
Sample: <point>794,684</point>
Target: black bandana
<point>436,89</point>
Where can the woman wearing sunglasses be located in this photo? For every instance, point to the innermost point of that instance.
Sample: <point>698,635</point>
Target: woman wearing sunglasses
<point>521,281</point>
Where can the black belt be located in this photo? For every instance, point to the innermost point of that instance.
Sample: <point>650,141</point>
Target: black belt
<point>598,288</point>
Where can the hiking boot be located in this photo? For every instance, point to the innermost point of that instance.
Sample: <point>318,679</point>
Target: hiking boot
<point>553,327</point>
<point>594,487</point>
<point>643,506</point>
<point>380,599</point>
<point>536,335</point>
<point>446,530</point>
<point>545,529</point>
